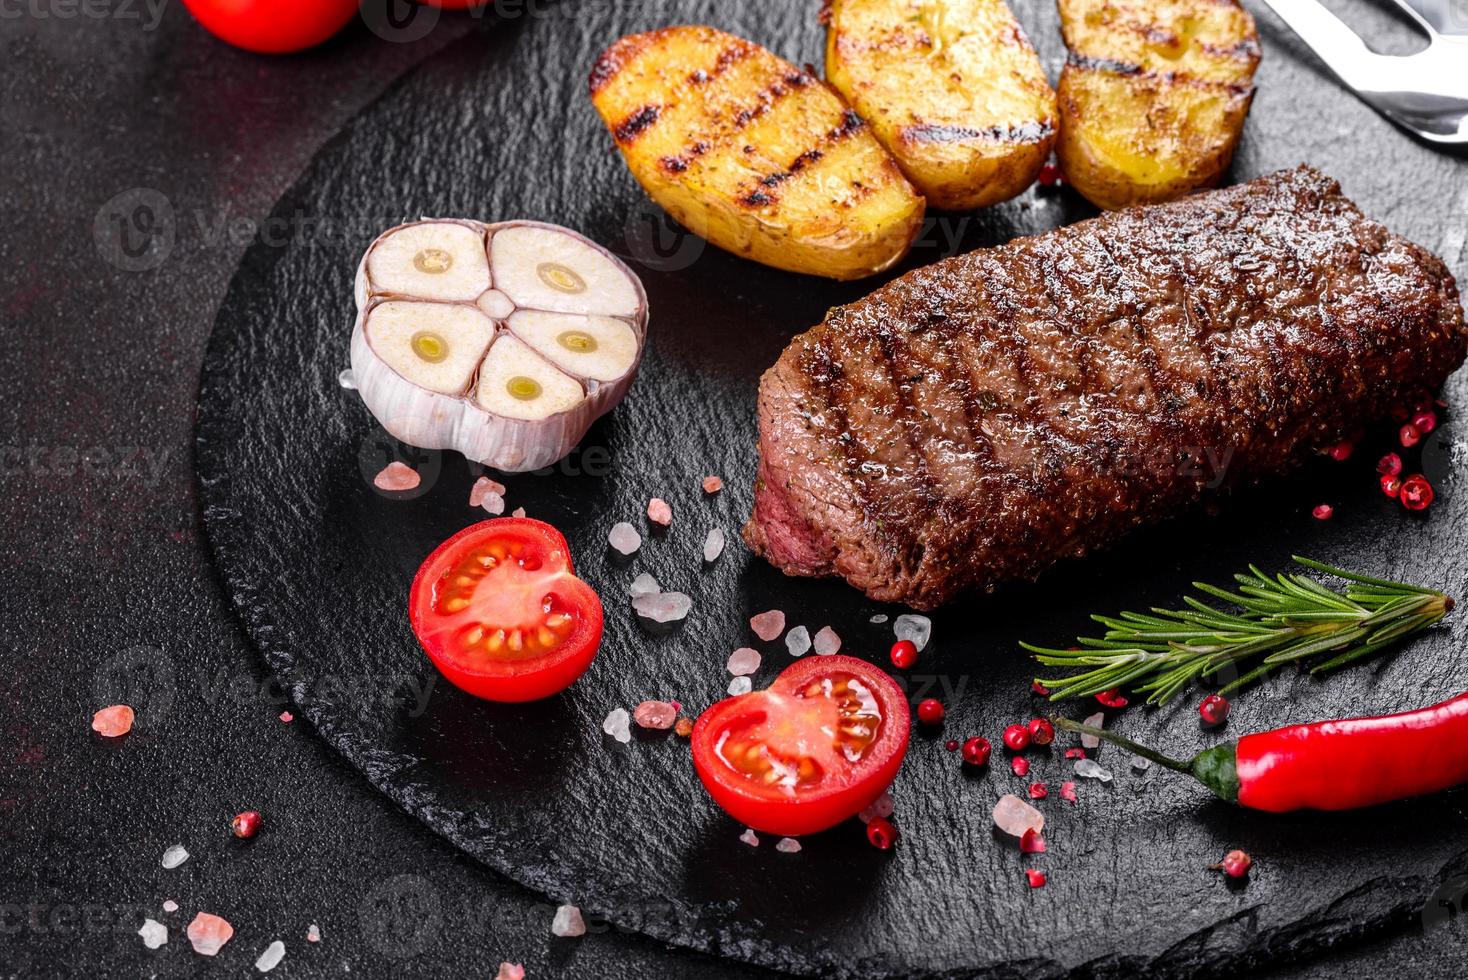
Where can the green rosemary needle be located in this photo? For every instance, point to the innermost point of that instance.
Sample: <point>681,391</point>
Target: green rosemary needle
<point>1280,620</point>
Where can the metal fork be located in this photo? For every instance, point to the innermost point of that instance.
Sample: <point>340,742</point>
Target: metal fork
<point>1425,93</point>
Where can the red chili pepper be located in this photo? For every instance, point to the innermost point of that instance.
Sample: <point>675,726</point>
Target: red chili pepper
<point>1330,765</point>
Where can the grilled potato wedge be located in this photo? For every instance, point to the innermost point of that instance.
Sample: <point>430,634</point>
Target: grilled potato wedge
<point>952,88</point>
<point>1153,96</point>
<point>752,153</point>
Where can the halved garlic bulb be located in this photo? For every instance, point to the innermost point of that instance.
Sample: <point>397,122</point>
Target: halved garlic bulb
<point>502,341</point>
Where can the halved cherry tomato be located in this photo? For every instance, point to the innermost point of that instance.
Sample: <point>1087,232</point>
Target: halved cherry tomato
<point>814,748</point>
<point>273,26</point>
<point>500,613</point>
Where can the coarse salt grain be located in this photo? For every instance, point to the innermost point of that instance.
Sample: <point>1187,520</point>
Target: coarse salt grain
<point>170,906</point>
<point>788,845</point>
<point>396,477</point>
<point>1140,763</point>
<point>713,545</point>
<point>880,807</point>
<point>113,722</point>
<point>1097,720</point>
<point>1090,769</point>
<point>712,484</point>
<point>510,971</point>
<point>663,607</point>
<point>154,933</point>
<point>826,642</point>
<point>518,512</point>
<point>918,629</point>
<point>313,933</point>
<point>768,625</point>
<point>568,922</point>
<point>208,933</point>
<point>797,641</point>
<point>174,856</point>
<point>658,715</point>
<point>347,379</point>
<point>494,504</point>
<point>740,685</point>
<point>659,512</point>
<point>1014,816</point>
<point>271,958</point>
<point>287,717</point>
<point>749,837</point>
<point>624,538</point>
<point>878,619</point>
<point>616,725</point>
<point>743,661</point>
<point>643,584</point>
<point>482,488</point>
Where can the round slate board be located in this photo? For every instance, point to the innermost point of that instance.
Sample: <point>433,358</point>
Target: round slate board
<point>318,565</point>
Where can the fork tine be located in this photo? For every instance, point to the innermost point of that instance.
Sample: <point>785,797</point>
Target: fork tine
<point>1329,37</point>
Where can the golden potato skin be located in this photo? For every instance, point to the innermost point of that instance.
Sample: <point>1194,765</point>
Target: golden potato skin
<point>952,88</point>
<point>1153,96</point>
<point>752,153</point>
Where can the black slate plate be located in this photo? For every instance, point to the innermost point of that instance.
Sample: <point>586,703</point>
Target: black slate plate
<point>318,564</point>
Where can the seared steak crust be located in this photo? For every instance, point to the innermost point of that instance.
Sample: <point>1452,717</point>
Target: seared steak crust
<point>981,418</point>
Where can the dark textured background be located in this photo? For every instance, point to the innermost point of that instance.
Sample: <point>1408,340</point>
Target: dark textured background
<point>104,567</point>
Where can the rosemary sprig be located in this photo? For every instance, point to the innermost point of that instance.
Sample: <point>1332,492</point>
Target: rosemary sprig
<point>1282,619</point>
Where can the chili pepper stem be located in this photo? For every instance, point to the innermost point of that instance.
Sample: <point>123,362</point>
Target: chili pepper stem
<point>1147,753</point>
<point>1216,768</point>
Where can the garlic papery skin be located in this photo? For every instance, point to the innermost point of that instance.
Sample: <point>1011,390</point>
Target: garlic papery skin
<point>457,374</point>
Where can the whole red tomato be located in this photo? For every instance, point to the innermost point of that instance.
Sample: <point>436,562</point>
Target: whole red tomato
<point>273,26</point>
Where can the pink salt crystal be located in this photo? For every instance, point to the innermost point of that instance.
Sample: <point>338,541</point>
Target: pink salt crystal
<point>659,512</point>
<point>482,488</point>
<point>655,714</point>
<point>170,906</point>
<point>209,933</point>
<point>1068,791</point>
<point>113,722</point>
<point>749,837</point>
<point>1092,721</point>
<point>287,717</point>
<point>881,807</point>
<point>518,512</point>
<point>510,971</point>
<point>743,661</point>
<point>1020,765</point>
<point>494,504</point>
<point>1014,816</point>
<point>313,933</point>
<point>1030,842</point>
<point>768,625</point>
<point>396,477</point>
<point>712,484</point>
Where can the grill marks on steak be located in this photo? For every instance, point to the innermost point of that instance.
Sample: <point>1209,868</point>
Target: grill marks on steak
<point>979,419</point>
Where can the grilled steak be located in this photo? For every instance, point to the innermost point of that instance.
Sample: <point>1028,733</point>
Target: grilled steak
<point>979,419</point>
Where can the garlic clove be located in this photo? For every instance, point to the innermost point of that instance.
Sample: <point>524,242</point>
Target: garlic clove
<point>432,345</point>
<point>601,348</point>
<point>442,260</point>
<point>495,304</point>
<point>517,383</point>
<point>546,268</point>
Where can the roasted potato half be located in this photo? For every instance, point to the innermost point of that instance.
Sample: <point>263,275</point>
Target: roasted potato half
<point>1153,95</point>
<point>752,153</point>
<point>952,88</point>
